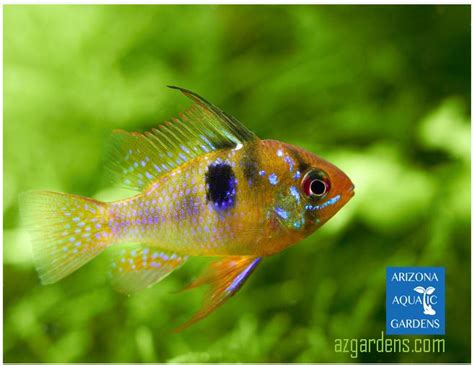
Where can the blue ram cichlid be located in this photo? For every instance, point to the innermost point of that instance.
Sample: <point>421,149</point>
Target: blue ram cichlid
<point>207,186</point>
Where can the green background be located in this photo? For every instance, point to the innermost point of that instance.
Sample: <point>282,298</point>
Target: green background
<point>381,91</point>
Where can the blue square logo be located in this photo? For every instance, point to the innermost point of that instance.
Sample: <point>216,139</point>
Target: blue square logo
<point>415,301</point>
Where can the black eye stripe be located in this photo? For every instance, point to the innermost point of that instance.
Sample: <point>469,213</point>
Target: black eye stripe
<point>301,164</point>
<point>249,164</point>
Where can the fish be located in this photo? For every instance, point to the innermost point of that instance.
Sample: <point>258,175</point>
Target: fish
<point>205,186</point>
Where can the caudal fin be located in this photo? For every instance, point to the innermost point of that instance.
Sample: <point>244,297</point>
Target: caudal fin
<point>67,231</point>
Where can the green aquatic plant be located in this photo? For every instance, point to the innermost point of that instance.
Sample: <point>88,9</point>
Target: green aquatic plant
<point>383,92</point>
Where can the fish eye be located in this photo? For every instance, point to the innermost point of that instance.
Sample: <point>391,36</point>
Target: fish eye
<point>318,187</point>
<point>315,184</point>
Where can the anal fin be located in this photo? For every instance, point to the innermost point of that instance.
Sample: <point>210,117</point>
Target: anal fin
<point>225,277</point>
<point>137,267</point>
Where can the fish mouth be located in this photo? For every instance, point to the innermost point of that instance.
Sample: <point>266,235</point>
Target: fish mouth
<point>351,191</point>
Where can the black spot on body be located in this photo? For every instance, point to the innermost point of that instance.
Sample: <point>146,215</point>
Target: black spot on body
<point>221,186</point>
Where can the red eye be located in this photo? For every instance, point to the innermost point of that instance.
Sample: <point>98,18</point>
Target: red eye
<point>315,184</point>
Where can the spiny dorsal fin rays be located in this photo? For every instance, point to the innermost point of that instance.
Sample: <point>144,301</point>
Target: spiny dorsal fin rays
<point>243,133</point>
<point>136,159</point>
<point>225,278</point>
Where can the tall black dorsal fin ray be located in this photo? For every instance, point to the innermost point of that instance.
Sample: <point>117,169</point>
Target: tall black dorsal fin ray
<point>136,159</point>
<point>242,132</point>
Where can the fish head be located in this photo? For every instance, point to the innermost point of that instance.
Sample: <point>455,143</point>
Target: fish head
<point>325,189</point>
<point>311,190</point>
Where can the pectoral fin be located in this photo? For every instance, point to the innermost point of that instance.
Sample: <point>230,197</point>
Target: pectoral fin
<point>226,277</point>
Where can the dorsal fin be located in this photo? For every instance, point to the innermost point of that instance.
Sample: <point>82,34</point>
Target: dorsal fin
<point>138,158</point>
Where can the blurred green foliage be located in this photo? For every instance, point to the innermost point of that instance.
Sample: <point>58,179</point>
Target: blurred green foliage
<point>381,91</point>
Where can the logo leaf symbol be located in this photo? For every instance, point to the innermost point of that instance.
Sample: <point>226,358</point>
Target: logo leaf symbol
<point>419,289</point>
<point>430,290</point>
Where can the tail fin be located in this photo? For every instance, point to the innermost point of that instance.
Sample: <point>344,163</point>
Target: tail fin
<point>67,231</point>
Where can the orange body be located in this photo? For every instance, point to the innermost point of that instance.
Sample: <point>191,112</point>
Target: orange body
<point>183,221</point>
